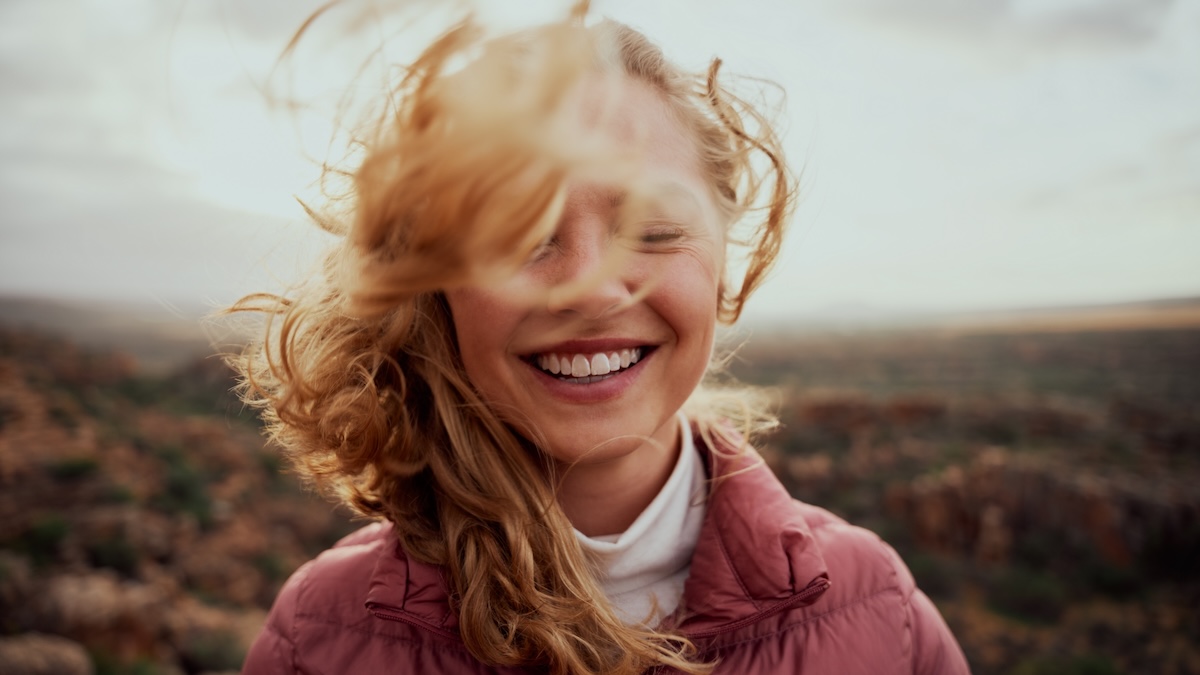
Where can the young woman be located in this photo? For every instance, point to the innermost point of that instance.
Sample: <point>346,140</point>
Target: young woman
<point>501,363</point>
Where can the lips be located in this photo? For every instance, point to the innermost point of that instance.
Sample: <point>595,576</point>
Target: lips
<point>585,365</point>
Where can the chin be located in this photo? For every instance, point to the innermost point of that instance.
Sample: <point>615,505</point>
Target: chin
<point>571,447</point>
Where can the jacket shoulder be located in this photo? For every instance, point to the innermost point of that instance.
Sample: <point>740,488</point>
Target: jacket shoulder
<point>336,581</point>
<point>332,587</point>
<point>873,593</point>
<point>860,563</point>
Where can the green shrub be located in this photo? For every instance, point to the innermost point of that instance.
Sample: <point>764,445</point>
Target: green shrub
<point>62,417</point>
<point>215,651</point>
<point>1076,560</point>
<point>186,488</point>
<point>275,467</point>
<point>937,576</point>
<point>117,494</point>
<point>1099,575</point>
<point>115,553</point>
<point>1086,664</point>
<point>1038,549</point>
<point>271,463</point>
<point>104,663</point>
<point>74,468</point>
<point>144,391</point>
<point>43,538</point>
<point>1027,595</point>
<point>272,566</point>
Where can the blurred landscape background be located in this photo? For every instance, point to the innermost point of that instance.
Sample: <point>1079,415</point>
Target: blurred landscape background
<point>1039,472</point>
<point>1038,469</point>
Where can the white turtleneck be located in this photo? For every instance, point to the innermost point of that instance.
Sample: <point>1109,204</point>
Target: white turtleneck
<point>642,570</point>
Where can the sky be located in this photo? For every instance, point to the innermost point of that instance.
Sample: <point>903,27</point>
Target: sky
<point>955,155</point>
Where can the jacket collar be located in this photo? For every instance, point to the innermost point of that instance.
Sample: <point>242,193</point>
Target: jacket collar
<point>755,556</point>
<point>411,591</point>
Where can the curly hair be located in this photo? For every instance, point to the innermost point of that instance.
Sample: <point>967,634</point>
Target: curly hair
<point>358,376</point>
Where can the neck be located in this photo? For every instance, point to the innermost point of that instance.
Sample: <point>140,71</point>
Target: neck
<point>605,497</point>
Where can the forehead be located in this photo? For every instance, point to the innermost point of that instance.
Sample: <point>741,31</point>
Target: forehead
<point>666,198</point>
<point>633,115</point>
<point>635,120</point>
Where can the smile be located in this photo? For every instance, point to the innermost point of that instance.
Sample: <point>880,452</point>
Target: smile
<point>587,368</point>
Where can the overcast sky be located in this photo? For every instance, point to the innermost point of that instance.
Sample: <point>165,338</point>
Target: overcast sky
<point>956,154</point>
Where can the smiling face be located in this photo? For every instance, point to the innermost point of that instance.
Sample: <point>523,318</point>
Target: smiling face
<point>601,337</point>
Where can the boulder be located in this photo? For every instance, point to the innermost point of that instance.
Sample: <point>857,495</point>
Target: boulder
<point>40,654</point>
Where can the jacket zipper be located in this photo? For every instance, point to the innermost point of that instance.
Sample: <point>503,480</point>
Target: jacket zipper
<point>397,614</point>
<point>810,592</point>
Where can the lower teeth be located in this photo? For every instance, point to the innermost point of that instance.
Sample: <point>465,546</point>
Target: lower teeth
<point>585,380</point>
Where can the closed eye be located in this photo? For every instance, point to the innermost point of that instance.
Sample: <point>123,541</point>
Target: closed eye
<point>662,233</point>
<point>540,251</point>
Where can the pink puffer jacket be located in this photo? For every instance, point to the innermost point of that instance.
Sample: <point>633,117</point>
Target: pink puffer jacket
<point>776,586</point>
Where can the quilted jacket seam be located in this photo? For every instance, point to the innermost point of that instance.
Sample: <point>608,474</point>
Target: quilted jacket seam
<point>301,589</point>
<point>736,576</point>
<point>447,646</point>
<point>906,604</point>
<point>833,610</point>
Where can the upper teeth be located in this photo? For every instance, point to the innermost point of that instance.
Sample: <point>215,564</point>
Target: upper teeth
<point>583,365</point>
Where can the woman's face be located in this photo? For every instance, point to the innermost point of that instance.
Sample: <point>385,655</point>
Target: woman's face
<point>600,338</point>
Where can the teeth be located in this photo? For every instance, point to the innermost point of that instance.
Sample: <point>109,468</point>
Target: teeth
<point>584,365</point>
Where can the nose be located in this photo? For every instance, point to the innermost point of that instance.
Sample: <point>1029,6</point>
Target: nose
<point>592,277</point>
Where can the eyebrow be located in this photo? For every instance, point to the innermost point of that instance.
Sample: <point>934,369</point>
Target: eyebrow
<point>666,197</point>
<point>676,189</point>
<point>666,192</point>
<point>673,199</point>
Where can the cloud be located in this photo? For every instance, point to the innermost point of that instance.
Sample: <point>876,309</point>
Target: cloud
<point>133,142</point>
<point>90,206</point>
<point>1028,25</point>
<point>1116,23</point>
<point>264,21</point>
<point>109,227</point>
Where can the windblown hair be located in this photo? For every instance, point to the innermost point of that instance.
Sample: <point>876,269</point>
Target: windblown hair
<point>358,376</point>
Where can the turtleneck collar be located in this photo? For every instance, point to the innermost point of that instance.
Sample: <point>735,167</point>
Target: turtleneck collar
<point>642,570</point>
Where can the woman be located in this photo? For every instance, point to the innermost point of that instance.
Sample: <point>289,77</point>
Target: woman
<point>502,361</point>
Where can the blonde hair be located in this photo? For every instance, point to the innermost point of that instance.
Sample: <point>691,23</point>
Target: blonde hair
<point>358,376</point>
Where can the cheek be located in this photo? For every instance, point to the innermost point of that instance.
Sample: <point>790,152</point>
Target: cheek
<point>483,322</point>
<point>699,275</point>
<point>688,299</point>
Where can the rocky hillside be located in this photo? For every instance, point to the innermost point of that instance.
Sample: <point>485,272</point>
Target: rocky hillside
<point>144,527</point>
<point>1044,487</point>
